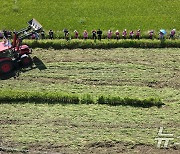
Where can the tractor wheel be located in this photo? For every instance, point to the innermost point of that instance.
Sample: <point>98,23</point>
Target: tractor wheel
<point>26,62</point>
<point>6,67</point>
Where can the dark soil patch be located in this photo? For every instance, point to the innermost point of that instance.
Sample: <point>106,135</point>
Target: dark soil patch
<point>8,121</point>
<point>97,147</point>
<point>120,147</point>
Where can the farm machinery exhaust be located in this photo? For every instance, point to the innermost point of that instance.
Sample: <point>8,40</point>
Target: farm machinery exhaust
<point>14,56</point>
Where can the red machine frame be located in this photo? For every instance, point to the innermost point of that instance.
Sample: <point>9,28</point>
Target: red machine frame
<point>17,55</point>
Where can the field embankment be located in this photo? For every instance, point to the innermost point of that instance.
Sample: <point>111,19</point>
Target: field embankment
<point>104,44</point>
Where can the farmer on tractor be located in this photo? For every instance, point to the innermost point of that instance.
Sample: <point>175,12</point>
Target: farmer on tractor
<point>17,54</point>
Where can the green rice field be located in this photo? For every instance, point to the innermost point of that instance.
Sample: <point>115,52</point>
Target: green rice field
<point>92,14</point>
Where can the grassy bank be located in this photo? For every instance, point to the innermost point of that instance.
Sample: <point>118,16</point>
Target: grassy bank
<point>104,44</point>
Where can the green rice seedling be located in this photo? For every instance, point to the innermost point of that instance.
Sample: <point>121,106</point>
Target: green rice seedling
<point>130,101</point>
<point>38,97</point>
<point>54,97</point>
<point>87,99</point>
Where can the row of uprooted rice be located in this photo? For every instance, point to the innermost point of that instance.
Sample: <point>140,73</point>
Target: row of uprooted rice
<point>104,44</point>
<point>9,96</point>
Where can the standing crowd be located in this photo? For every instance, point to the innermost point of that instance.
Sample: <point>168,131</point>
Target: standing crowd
<point>97,34</point>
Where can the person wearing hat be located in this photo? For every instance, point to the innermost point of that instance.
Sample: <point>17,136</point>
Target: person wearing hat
<point>172,34</point>
<point>85,34</point>
<point>66,34</point>
<point>161,35</point>
<point>42,34</point>
<point>109,34</point>
<point>67,37</point>
<point>138,34</point>
<point>117,34</point>
<point>151,33</point>
<point>51,34</point>
<point>124,34</point>
<point>76,34</point>
<point>131,34</point>
<point>5,41</point>
<point>94,37</point>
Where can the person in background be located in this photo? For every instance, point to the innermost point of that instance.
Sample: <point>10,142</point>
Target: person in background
<point>1,35</point>
<point>36,36</point>
<point>172,34</point>
<point>151,34</point>
<point>5,41</point>
<point>51,34</point>
<point>85,34</point>
<point>109,34</point>
<point>99,33</point>
<point>76,34</point>
<point>66,33</point>
<point>5,33</point>
<point>42,34</point>
<point>9,34</point>
<point>131,34</point>
<point>67,37</point>
<point>124,34</point>
<point>138,34</point>
<point>161,35</point>
<point>117,34</point>
<point>94,37</point>
<point>33,36</point>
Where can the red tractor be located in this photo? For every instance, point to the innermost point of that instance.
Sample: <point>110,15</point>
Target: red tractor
<point>16,55</point>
